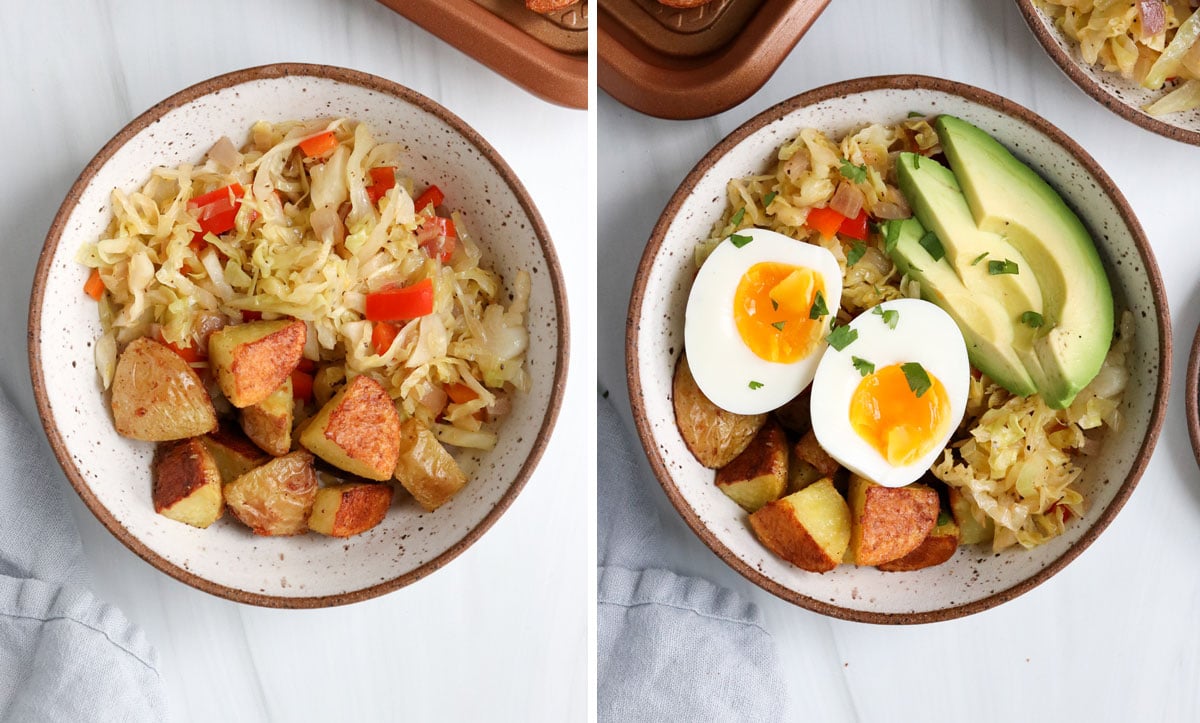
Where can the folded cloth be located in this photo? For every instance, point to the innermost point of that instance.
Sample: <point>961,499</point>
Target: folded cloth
<point>669,647</point>
<point>64,655</point>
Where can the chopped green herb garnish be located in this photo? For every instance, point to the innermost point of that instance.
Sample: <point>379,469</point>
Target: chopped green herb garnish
<point>995,268</point>
<point>739,240</point>
<point>779,325</point>
<point>918,380</point>
<point>892,237</point>
<point>851,172</point>
<point>863,366</point>
<point>736,219</point>
<point>943,518</point>
<point>841,337</point>
<point>915,114</point>
<point>856,252</point>
<point>818,309</point>
<point>890,316</point>
<point>768,198</point>
<point>979,258</point>
<point>916,160</point>
<point>1032,319</point>
<point>775,305</point>
<point>930,243</point>
<point>756,385</point>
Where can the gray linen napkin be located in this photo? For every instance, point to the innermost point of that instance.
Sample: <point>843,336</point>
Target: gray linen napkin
<point>669,647</point>
<point>64,655</point>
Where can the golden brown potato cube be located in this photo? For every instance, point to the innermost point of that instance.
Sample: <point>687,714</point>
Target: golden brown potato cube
<point>759,474</point>
<point>935,549</point>
<point>234,454</point>
<point>800,473</point>
<point>252,360</point>
<point>157,397</point>
<point>187,483</point>
<point>425,468</point>
<point>548,6</point>
<point>269,423</point>
<point>349,509</point>
<point>810,528</point>
<point>276,498</point>
<point>810,450</point>
<point>357,431</point>
<point>713,435</point>
<point>889,522</point>
<point>973,529</point>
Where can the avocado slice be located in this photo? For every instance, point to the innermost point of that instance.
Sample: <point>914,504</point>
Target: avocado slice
<point>984,321</point>
<point>1008,198</point>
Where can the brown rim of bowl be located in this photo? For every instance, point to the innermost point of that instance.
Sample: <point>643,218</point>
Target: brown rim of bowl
<point>847,88</point>
<point>1088,85</point>
<point>1192,393</point>
<point>266,72</point>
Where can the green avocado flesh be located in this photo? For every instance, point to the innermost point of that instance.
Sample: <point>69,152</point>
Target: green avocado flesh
<point>988,201</point>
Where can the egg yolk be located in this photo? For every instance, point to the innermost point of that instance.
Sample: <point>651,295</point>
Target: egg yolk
<point>889,415</point>
<point>771,309</point>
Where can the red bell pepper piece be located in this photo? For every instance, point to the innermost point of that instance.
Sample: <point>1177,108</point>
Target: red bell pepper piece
<point>437,237</point>
<point>383,179</point>
<point>318,145</point>
<point>218,209</point>
<point>382,336</point>
<point>432,195</point>
<point>302,385</point>
<point>409,302</point>
<point>855,228</point>
<point>825,220</point>
<point>94,287</point>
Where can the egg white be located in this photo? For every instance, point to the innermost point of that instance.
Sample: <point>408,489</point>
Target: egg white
<point>721,363</point>
<point>924,334</point>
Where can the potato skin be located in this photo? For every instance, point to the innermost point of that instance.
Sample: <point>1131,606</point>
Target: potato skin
<point>269,423</point>
<point>357,431</point>
<point>252,360</point>
<point>760,473</point>
<point>276,498</point>
<point>425,468</point>
<point>157,397</point>
<point>713,435</point>
<point>889,522</point>
<point>939,546</point>
<point>789,527</point>
<point>234,454</point>
<point>547,6</point>
<point>349,509</point>
<point>186,483</point>
<point>810,450</point>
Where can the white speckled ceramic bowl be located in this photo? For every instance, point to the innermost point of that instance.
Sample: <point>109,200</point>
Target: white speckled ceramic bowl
<point>112,474</point>
<point>974,579</point>
<point>1124,97</point>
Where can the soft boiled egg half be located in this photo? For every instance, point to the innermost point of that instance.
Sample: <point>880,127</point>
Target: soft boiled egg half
<point>757,317</point>
<point>890,390</point>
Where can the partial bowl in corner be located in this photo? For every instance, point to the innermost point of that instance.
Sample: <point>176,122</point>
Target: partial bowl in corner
<point>1120,95</point>
<point>974,579</point>
<point>112,473</point>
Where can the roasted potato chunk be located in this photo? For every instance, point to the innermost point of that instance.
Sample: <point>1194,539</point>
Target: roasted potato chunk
<point>234,454</point>
<point>187,483</point>
<point>269,423</point>
<point>276,498</point>
<point>972,529</point>
<point>759,474</point>
<point>549,6</point>
<point>358,430</point>
<point>935,549</point>
<point>796,415</point>
<point>809,450</point>
<point>349,509</point>
<point>713,435</point>
<point>889,522</point>
<point>157,397</point>
<point>252,360</point>
<point>810,528</point>
<point>425,468</point>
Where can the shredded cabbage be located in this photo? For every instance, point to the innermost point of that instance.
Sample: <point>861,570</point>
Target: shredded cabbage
<point>309,243</point>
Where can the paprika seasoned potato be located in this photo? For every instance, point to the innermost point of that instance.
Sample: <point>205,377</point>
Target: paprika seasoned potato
<point>187,483</point>
<point>809,528</point>
<point>889,522</point>
<point>276,498</point>
<point>349,509</point>
<point>157,397</point>
<point>425,468</point>
<point>358,430</point>
<point>760,473</point>
<point>935,549</point>
<point>252,360</point>
<point>713,435</point>
<point>269,423</point>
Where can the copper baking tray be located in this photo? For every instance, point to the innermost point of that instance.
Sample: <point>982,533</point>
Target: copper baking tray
<point>544,54</point>
<point>693,63</point>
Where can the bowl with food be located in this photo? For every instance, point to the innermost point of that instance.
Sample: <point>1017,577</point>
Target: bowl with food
<point>298,336</point>
<point>898,350</point>
<point>1138,59</point>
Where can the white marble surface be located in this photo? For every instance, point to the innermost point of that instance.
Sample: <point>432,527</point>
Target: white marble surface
<point>499,634</point>
<point>1112,637</point>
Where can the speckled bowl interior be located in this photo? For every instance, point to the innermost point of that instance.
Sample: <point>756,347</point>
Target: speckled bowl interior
<point>975,578</point>
<point>112,473</point>
<point>1120,95</point>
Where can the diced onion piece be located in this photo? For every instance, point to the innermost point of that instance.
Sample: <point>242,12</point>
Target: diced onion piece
<point>1168,63</point>
<point>847,199</point>
<point>1153,17</point>
<point>224,154</point>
